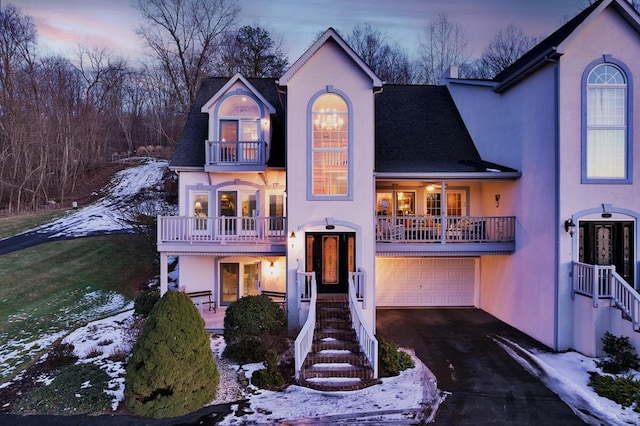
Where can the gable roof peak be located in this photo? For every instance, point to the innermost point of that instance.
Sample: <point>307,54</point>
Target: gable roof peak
<point>329,34</point>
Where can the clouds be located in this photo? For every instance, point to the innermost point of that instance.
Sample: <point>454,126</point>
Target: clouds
<point>63,24</point>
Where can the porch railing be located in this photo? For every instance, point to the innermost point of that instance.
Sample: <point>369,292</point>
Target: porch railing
<point>602,281</point>
<point>366,338</point>
<point>306,282</point>
<point>445,229</point>
<point>222,229</point>
<point>234,153</point>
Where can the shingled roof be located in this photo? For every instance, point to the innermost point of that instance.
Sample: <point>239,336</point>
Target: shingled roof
<point>419,130</point>
<point>190,149</point>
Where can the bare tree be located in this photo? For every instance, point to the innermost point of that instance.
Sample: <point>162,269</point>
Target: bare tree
<point>503,50</point>
<point>390,62</point>
<point>183,36</point>
<point>252,52</point>
<point>444,44</point>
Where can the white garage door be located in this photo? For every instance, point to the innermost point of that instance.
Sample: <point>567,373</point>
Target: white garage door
<point>435,281</point>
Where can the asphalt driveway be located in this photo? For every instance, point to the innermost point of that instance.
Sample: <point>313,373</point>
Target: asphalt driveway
<point>485,386</point>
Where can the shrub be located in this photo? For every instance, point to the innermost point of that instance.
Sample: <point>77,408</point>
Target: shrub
<point>172,370</point>
<point>270,377</point>
<point>252,326</point>
<point>391,360</point>
<point>622,356</point>
<point>145,301</point>
<point>622,390</point>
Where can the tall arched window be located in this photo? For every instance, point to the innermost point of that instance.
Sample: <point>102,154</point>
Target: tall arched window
<point>330,146</point>
<point>606,137</point>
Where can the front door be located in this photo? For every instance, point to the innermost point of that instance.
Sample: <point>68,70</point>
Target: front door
<point>608,243</point>
<point>331,256</point>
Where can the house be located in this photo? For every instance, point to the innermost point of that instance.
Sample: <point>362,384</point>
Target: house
<point>514,195</point>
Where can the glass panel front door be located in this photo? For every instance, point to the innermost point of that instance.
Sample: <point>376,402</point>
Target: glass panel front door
<point>230,280</point>
<point>250,279</point>
<point>331,256</point>
<point>608,243</point>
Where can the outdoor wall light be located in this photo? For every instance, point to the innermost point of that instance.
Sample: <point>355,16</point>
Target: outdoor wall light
<point>293,235</point>
<point>569,226</point>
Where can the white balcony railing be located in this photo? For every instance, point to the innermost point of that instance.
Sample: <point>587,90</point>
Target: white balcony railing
<point>447,229</point>
<point>306,282</point>
<point>222,229</point>
<point>602,281</point>
<point>235,153</point>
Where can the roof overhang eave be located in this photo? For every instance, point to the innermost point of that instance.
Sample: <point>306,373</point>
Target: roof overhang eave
<point>550,55</point>
<point>448,176</point>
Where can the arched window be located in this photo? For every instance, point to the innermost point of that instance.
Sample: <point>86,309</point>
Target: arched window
<point>239,119</point>
<point>330,162</point>
<point>606,138</point>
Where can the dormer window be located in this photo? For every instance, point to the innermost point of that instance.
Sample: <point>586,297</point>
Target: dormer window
<point>239,119</point>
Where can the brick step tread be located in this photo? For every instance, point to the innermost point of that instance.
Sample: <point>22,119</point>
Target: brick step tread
<point>335,345</point>
<point>345,333</point>
<point>339,385</point>
<point>333,326</point>
<point>328,372</point>
<point>358,360</point>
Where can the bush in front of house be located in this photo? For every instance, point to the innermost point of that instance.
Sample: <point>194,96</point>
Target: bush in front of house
<point>391,360</point>
<point>621,355</point>
<point>252,326</point>
<point>622,390</point>
<point>270,377</point>
<point>144,303</point>
<point>172,370</point>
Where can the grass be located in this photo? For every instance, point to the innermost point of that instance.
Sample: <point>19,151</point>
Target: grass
<point>12,225</point>
<point>50,289</point>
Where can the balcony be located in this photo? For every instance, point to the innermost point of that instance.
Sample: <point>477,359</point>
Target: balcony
<point>259,234</point>
<point>235,156</point>
<point>446,235</point>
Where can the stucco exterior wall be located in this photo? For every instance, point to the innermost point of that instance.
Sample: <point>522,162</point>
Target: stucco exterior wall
<point>330,66</point>
<point>607,34</point>
<point>517,129</point>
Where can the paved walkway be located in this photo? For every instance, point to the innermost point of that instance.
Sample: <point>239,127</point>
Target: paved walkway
<point>484,385</point>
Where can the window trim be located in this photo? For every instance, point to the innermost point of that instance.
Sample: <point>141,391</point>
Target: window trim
<point>310,195</point>
<point>628,179</point>
<point>217,118</point>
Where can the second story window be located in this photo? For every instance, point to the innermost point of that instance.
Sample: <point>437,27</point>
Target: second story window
<point>606,149</point>
<point>239,128</point>
<point>330,146</point>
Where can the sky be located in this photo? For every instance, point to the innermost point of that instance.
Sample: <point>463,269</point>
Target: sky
<point>62,25</point>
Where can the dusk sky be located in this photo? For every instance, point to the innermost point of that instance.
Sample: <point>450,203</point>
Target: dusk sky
<point>64,24</point>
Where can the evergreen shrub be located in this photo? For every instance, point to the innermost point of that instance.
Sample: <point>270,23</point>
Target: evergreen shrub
<point>172,370</point>
<point>144,303</point>
<point>252,326</point>
<point>621,357</point>
<point>391,360</point>
<point>270,377</point>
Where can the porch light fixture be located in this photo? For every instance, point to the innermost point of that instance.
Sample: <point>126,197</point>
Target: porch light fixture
<point>569,226</point>
<point>431,187</point>
<point>293,235</point>
<point>271,265</point>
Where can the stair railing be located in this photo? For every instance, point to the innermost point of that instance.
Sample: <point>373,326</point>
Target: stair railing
<point>304,341</point>
<point>366,338</point>
<point>602,281</point>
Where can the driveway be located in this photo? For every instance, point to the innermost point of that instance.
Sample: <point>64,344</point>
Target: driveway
<point>484,385</point>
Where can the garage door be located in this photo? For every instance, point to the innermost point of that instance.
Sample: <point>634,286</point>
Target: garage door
<point>438,281</point>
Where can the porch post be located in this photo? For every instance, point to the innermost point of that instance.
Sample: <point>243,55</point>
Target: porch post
<point>164,272</point>
<point>596,284</point>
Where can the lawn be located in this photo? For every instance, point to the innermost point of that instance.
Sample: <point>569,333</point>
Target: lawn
<point>49,290</point>
<point>12,225</point>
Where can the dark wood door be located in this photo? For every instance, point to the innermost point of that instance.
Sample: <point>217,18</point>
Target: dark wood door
<point>608,243</point>
<point>331,256</point>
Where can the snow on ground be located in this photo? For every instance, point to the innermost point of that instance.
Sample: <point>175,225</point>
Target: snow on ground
<point>104,215</point>
<point>398,400</point>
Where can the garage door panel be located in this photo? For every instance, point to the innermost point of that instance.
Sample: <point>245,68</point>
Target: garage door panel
<point>425,281</point>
